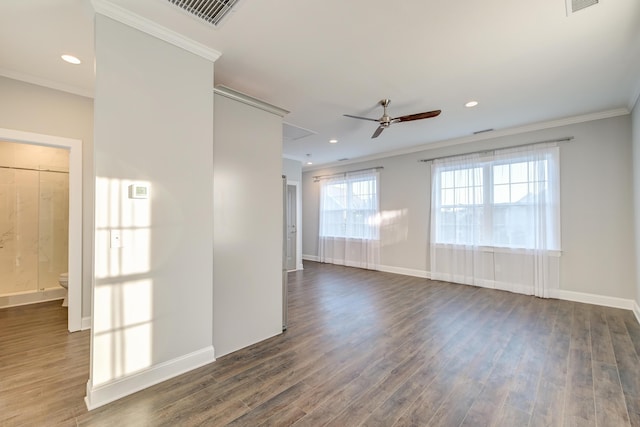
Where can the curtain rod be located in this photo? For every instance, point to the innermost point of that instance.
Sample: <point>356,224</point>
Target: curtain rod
<point>320,177</point>
<point>565,139</point>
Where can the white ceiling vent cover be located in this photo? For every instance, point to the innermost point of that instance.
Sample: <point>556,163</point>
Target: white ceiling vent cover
<point>212,11</point>
<point>575,5</point>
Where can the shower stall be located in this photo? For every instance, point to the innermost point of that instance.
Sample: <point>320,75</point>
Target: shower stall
<point>34,222</point>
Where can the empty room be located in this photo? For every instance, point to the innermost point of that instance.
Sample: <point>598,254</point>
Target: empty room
<point>230,212</point>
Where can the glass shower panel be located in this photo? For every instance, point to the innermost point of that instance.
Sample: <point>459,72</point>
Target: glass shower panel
<point>53,228</point>
<point>24,238</point>
<point>34,212</point>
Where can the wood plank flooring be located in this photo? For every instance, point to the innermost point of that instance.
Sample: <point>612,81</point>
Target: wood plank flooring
<point>362,348</point>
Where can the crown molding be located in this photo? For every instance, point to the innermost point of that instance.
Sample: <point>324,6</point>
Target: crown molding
<point>124,16</point>
<point>480,137</point>
<point>50,84</point>
<point>249,100</point>
<point>288,157</point>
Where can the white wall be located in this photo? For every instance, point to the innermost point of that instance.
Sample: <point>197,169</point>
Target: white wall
<point>292,169</point>
<point>247,225</point>
<point>30,108</point>
<point>152,300</point>
<point>596,202</point>
<point>635,131</point>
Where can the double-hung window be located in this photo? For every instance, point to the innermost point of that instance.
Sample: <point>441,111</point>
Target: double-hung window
<point>508,198</point>
<point>349,206</point>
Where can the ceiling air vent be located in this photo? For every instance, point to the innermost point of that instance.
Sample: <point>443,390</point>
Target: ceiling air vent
<point>575,5</point>
<point>212,11</point>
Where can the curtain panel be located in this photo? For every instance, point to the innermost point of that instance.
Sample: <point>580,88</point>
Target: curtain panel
<point>349,220</point>
<point>495,219</point>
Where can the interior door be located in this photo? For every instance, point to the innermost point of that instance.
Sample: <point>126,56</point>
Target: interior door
<point>292,227</point>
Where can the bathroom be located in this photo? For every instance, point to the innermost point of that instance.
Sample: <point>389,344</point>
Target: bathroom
<point>34,223</point>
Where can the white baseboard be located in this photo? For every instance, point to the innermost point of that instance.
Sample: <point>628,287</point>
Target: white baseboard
<point>636,311</point>
<point>586,298</point>
<point>34,297</point>
<point>121,387</point>
<point>405,271</point>
<point>86,323</point>
<point>385,268</point>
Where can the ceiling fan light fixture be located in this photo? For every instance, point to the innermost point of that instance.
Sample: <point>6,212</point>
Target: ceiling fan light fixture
<point>471,104</point>
<point>70,59</point>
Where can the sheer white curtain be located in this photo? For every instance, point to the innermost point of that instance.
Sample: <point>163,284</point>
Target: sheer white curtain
<point>349,220</point>
<point>495,219</point>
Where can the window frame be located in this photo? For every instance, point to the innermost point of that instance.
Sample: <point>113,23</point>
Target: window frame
<point>488,205</point>
<point>349,211</point>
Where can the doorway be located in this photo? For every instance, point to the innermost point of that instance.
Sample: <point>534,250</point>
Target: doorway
<point>75,212</point>
<point>293,236</point>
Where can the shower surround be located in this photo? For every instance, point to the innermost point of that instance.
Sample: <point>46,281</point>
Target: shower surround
<point>34,222</point>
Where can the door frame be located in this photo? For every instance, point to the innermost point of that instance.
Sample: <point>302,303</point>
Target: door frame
<point>75,212</point>
<point>298,222</point>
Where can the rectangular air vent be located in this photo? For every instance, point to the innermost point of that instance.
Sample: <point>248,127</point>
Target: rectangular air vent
<point>212,11</point>
<point>575,5</point>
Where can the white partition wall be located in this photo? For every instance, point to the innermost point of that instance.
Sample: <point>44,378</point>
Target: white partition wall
<point>247,293</point>
<point>152,299</point>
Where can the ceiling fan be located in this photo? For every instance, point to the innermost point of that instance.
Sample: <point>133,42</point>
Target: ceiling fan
<point>385,121</point>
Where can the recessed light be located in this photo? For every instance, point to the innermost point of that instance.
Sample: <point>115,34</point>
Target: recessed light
<point>71,59</point>
<point>471,104</point>
<point>333,141</point>
<point>309,163</point>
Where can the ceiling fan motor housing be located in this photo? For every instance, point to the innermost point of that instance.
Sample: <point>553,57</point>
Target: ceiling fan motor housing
<point>385,120</point>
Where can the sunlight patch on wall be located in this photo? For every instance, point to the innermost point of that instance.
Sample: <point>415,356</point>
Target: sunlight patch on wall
<point>122,329</point>
<point>394,225</point>
<point>123,293</point>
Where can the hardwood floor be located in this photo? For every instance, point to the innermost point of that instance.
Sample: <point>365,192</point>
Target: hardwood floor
<point>362,348</point>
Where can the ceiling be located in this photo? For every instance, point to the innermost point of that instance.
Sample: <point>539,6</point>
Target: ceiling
<point>524,62</point>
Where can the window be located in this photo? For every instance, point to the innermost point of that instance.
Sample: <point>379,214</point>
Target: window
<point>349,206</point>
<point>506,199</point>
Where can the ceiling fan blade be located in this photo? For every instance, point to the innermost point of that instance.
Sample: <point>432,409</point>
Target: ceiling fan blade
<point>418,116</point>
<point>361,118</point>
<point>377,132</point>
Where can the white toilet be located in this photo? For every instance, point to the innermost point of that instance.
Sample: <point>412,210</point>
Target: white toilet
<point>64,282</point>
